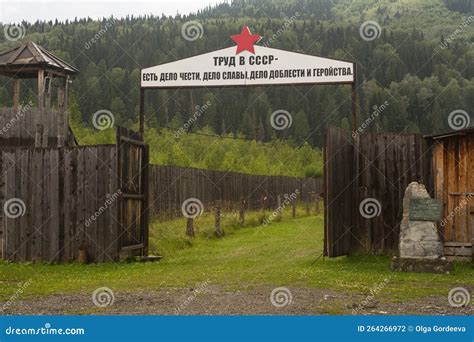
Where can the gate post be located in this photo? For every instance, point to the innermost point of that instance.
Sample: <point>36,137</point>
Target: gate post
<point>241,212</point>
<point>142,111</point>
<point>146,204</point>
<point>190,227</point>
<point>219,232</point>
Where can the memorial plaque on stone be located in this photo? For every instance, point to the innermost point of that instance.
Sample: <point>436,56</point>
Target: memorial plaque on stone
<point>425,209</point>
<point>420,246</point>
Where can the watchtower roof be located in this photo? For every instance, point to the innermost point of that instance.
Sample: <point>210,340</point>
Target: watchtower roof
<point>25,60</point>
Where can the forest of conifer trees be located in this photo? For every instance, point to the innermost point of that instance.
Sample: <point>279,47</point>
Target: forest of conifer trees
<point>423,70</point>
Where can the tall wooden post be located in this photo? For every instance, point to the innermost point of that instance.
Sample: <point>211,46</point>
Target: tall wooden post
<point>46,114</point>
<point>61,114</point>
<point>354,102</point>
<point>307,200</point>
<point>316,196</point>
<point>219,232</point>
<point>39,115</point>
<point>190,227</point>
<point>61,98</point>
<point>16,93</point>
<point>241,212</point>
<point>47,90</point>
<point>279,207</point>
<point>66,111</point>
<point>142,111</point>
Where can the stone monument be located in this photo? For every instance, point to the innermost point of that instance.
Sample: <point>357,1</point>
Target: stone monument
<point>420,246</point>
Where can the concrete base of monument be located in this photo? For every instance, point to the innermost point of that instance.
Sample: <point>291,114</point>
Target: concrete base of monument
<point>419,265</point>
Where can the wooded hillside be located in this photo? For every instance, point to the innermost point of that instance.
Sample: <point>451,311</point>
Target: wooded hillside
<point>421,64</point>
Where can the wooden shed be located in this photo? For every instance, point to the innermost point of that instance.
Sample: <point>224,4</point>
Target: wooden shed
<point>453,172</point>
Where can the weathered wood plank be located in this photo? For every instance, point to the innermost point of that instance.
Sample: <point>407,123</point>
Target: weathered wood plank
<point>114,227</point>
<point>66,206</point>
<point>37,180</point>
<point>81,205</point>
<point>54,205</point>
<point>25,221</point>
<point>9,222</point>
<point>46,202</point>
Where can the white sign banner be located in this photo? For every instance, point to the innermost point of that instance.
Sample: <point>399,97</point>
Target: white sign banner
<point>266,66</point>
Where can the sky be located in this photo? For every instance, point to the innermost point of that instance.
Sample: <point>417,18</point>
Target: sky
<point>14,11</point>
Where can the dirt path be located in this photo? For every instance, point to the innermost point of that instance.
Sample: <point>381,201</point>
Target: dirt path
<point>215,300</point>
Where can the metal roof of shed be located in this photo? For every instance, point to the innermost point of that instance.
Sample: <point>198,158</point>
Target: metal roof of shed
<point>465,131</point>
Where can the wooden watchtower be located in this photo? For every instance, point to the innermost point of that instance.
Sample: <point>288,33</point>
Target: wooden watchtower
<point>43,123</point>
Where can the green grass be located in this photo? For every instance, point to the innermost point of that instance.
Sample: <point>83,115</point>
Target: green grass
<point>282,253</point>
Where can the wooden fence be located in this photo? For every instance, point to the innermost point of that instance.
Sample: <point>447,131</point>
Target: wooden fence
<point>66,201</point>
<point>81,202</point>
<point>171,186</point>
<point>62,204</point>
<point>19,126</point>
<point>376,168</point>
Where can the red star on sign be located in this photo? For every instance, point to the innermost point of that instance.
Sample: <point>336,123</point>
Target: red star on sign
<point>245,40</point>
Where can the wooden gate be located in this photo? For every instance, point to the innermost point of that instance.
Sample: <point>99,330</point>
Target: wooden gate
<point>365,181</point>
<point>133,178</point>
<point>339,183</point>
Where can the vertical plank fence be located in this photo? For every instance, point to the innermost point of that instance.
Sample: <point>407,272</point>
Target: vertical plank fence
<point>79,200</point>
<point>170,186</point>
<point>58,201</point>
<point>375,168</point>
<point>95,201</point>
